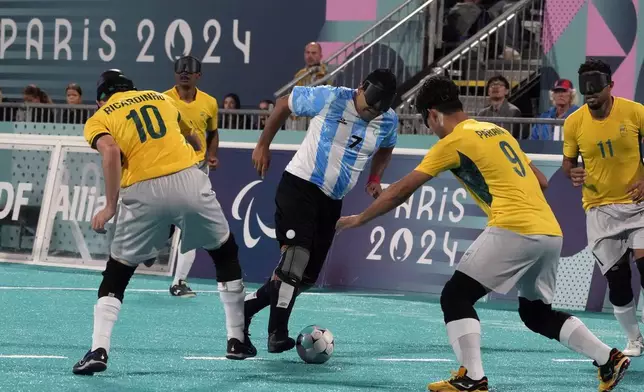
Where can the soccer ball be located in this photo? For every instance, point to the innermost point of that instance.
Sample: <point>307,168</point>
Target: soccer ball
<point>315,344</point>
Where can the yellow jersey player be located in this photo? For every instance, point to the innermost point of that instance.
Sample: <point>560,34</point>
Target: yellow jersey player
<point>199,110</point>
<point>519,247</point>
<point>607,133</point>
<point>149,166</point>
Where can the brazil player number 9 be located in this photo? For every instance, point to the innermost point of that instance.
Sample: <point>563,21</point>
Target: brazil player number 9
<point>512,157</point>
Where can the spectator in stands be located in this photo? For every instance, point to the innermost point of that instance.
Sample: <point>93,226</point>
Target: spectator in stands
<point>563,97</point>
<point>314,69</point>
<point>265,104</point>
<point>74,95</point>
<point>463,20</point>
<point>34,94</point>
<point>231,121</point>
<point>497,88</point>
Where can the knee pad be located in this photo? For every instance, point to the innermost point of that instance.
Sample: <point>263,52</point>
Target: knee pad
<point>541,318</point>
<point>115,279</point>
<point>458,297</point>
<point>226,260</point>
<point>620,291</point>
<point>292,265</point>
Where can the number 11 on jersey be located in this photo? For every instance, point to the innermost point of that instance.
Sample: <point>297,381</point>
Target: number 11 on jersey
<point>609,144</point>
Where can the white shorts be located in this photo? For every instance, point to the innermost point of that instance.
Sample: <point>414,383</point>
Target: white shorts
<point>148,208</point>
<point>500,259</point>
<point>612,230</point>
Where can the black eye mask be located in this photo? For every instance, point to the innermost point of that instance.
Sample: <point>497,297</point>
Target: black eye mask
<point>378,98</point>
<point>187,64</point>
<point>593,82</point>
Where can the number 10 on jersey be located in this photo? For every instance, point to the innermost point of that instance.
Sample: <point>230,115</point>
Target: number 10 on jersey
<point>145,127</point>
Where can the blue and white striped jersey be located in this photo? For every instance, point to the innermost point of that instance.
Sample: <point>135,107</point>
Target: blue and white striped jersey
<point>338,143</point>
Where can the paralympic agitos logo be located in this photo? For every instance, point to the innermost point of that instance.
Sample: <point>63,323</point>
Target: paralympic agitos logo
<point>249,240</point>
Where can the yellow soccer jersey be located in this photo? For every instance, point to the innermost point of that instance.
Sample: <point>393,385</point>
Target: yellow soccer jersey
<point>145,125</point>
<point>200,113</point>
<point>610,149</point>
<point>488,161</point>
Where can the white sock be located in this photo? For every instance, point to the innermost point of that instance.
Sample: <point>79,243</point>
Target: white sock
<point>465,338</point>
<point>232,295</point>
<point>576,336</point>
<point>184,264</point>
<point>106,312</point>
<point>627,317</point>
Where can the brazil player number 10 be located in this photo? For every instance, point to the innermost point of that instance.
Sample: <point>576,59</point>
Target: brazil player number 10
<point>148,128</point>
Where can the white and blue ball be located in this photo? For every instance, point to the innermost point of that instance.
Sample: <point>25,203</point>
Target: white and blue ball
<point>315,344</point>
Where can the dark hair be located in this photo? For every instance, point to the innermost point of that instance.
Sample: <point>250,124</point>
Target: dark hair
<point>75,87</point>
<point>35,91</point>
<point>235,98</point>
<point>383,78</point>
<point>266,101</point>
<point>440,93</point>
<point>498,78</point>
<point>595,65</point>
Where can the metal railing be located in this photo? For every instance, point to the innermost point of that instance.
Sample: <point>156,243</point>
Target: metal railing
<point>522,128</point>
<point>403,41</point>
<point>254,119</point>
<point>510,46</point>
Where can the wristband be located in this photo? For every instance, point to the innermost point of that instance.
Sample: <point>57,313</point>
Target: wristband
<point>373,179</point>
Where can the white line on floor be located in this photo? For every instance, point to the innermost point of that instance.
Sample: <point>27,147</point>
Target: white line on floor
<point>32,356</point>
<point>216,359</point>
<point>415,360</point>
<point>166,290</point>
<point>571,360</point>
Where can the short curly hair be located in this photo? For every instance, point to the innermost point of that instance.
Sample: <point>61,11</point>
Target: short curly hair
<point>440,93</point>
<point>592,64</point>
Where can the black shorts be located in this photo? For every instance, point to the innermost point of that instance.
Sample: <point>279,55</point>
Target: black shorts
<point>306,217</point>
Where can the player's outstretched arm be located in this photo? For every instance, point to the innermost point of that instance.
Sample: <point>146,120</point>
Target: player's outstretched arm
<point>392,197</point>
<point>262,154</point>
<point>275,121</point>
<point>379,163</point>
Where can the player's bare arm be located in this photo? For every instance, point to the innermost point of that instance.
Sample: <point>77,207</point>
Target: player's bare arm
<point>572,170</point>
<point>212,143</point>
<point>111,154</point>
<point>379,162</point>
<point>396,194</point>
<point>543,181</point>
<point>262,154</point>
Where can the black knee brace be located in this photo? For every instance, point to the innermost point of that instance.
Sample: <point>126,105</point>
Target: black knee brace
<point>541,318</point>
<point>292,265</point>
<point>620,291</point>
<point>115,279</point>
<point>459,296</point>
<point>226,259</point>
